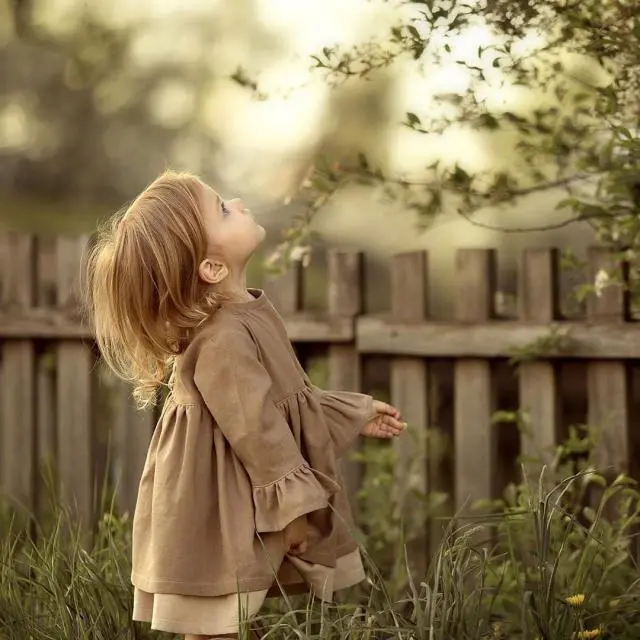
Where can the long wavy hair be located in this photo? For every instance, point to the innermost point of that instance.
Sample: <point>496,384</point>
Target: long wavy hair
<point>142,289</point>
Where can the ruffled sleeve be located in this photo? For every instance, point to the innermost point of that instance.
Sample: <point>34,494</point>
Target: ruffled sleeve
<point>346,413</point>
<point>236,389</point>
<point>287,498</point>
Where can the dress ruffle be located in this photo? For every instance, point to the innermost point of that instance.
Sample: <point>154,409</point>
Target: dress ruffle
<point>300,492</point>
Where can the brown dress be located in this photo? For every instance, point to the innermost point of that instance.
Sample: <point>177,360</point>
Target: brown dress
<point>245,445</point>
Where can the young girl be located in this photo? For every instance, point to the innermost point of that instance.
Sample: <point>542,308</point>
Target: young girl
<point>241,481</point>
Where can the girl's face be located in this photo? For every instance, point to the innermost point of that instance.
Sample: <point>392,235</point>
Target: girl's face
<point>232,232</point>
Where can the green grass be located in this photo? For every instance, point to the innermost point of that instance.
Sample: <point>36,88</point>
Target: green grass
<point>510,573</point>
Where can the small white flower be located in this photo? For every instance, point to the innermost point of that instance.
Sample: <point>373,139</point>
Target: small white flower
<point>301,253</point>
<point>273,258</point>
<point>601,282</point>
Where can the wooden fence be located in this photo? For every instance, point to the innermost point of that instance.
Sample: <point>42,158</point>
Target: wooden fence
<point>53,402</point>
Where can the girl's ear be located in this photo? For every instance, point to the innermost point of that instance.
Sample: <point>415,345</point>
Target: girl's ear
<point>213,271</point>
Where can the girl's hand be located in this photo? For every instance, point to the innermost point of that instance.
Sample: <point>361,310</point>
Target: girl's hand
<point>295,536</point>
<point>386,423</point>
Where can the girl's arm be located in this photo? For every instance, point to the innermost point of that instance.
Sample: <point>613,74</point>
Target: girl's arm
<point>350,415</point>
<point>236,389</point>
<point>346,414</point>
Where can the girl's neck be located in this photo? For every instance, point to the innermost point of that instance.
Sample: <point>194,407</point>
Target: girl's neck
<point>234,287</point>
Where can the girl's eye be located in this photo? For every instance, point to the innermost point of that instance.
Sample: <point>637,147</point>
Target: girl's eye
<point>225,210</point>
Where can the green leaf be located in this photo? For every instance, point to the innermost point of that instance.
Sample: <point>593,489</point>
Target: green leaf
<point>624,132</point>
<point>412,119</point>
<point>489,121</point>
<point>418,49</point>
<point>583,291</point>
<point>460,176</point>
<point>623,480</point>
<point>504,417</point>
<point>568,203</point>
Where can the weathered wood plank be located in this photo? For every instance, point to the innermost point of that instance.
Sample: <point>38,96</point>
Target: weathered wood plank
<point>53,324</point>
<point>607,382</point>
<point>307,327</point>
<point>345,302</point>
<point>18,393</point>
<point>537,380</point>
<point>132,432</point>
<point>473,393</point>
<point>4,270</point>
<point>286,290</point>
<point>46,436</point>
<point>76,452</point>
<point>497,339</point>
<point>409,391</point>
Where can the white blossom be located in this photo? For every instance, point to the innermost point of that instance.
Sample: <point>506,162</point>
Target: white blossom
<point>602,281</point>
<point>301,253</point>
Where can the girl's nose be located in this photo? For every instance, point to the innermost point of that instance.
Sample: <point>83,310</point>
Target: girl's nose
<point>237,202</point>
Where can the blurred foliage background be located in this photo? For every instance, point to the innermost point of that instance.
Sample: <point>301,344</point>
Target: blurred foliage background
<point>372,111</point>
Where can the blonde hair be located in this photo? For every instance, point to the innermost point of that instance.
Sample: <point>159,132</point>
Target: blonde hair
<point>143,292</point>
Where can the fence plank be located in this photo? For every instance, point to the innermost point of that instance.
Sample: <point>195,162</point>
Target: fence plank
<point>46,436</point>
<point>76,451</point>
<point>285,290</point>
<point>47,448</point>
<point>132,432</point>
<point>4,258</point>
<point>18,393</point>
<point>537,380</point>
<point>450,339</point>
<point>473,393</point>
<point>607,382</point>
<point>409,391</point>
<point>345,300</point>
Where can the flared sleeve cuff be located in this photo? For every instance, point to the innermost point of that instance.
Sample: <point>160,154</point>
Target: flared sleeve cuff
<point>346,414</point>
<point>299,492</point>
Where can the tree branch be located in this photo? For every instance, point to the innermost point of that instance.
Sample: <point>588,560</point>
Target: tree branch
<point>546,227</point>
<point>514,193</point>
